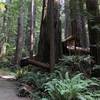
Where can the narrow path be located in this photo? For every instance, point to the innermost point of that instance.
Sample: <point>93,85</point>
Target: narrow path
<point>8,90</point>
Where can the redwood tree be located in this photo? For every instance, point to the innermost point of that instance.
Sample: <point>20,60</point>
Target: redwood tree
<point>49,48</point>
<point>31,25</point>
<point>94,34</point>
<point>78,22</point>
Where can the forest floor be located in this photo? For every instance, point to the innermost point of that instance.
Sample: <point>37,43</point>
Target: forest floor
<point>8,88</point>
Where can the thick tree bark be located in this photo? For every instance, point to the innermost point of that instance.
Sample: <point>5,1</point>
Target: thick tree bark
<point>67,19</point>
<point>57,30</point>
<point>85,34</point>
<point>51,24</point>
<point>49,49</point>
<point>94,34</point>
<point>85,38</point>
<point>44,44</point>
<point>78,23</point>
<point>32,31</point>
<point>67,31</point>
<point>20,36</point>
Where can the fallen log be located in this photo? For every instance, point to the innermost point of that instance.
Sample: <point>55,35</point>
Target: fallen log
<point>39,64</point>
<point>77,50</point>
<point>28,61</point>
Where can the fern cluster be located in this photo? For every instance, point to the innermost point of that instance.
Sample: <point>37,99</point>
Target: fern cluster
<point>75,88</point>
<point>60,85</point>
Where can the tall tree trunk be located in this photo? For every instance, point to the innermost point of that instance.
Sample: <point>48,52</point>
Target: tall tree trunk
<point>74,15</point>
<point>20,35</point>
<point>85,37</point>
<point>50,17</point>
<point>93,9</point>
<point>57,30</point>
<point>68,30</point>
<point>78,23</point>
<point>85,34</point>
<point>44,44</point>
<point>67,19</point>
<point>49,50</point>
<point>32,31</point>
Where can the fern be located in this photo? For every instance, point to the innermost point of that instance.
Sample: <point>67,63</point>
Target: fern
<point>70,88</point>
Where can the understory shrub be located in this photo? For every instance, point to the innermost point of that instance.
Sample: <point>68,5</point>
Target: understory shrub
<point>83,64</point>
<point>75,88</point>
<point>59,85</point>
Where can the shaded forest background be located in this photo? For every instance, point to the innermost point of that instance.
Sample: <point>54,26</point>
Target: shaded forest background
<point>53,46</point>
<point>75,22</point>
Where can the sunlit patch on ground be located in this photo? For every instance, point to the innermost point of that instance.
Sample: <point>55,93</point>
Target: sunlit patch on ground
<point>5,74</point>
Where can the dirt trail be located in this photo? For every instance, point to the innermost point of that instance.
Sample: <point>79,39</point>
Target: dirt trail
<point>8,90</point>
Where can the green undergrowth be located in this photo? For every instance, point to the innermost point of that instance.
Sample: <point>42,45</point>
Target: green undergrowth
<point>72,88</point>
<point>61,84</point>
<point>5,65</point>
<point>6,68</point>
